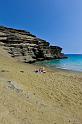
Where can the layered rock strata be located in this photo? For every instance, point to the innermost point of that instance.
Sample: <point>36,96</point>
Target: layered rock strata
<point>26,47</point>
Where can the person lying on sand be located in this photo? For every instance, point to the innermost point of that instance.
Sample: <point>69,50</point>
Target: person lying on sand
<point>40,70</point>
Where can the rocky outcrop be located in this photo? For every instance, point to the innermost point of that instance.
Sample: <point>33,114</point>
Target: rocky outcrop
<point>26,47</point>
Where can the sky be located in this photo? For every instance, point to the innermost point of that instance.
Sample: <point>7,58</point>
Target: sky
<point>57,21</point>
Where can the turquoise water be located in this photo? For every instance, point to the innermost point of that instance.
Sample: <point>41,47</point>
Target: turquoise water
<point>73,62</point>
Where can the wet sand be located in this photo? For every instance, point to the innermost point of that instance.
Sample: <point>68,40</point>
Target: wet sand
<point>27,97</point>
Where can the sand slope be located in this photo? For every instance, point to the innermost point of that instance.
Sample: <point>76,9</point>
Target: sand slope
<point>30,98</point>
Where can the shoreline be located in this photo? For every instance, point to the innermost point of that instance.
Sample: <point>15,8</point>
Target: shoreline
<point>54,97</point>
<point>56,69</point>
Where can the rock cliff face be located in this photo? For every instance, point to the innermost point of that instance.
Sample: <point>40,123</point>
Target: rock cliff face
<point>26,47</point>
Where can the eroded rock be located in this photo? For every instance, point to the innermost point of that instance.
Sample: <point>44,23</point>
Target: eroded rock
<point>26,47</point>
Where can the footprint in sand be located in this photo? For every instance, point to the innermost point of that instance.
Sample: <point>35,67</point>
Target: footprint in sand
<point>4,71</point>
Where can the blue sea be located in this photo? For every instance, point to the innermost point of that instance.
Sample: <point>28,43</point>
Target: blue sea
<point>73,62</point>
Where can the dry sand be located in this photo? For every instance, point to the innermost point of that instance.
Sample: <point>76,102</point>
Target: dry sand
<point>30,98</point>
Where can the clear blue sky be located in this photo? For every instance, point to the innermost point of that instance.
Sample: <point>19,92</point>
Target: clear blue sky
<point>57,21</point>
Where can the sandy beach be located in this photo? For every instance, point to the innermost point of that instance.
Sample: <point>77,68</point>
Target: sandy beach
<point>27,97</point>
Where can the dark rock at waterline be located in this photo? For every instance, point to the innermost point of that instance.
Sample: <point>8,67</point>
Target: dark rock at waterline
<point>26,47</point>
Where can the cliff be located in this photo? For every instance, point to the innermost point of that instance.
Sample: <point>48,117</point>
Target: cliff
<point>26,47</point>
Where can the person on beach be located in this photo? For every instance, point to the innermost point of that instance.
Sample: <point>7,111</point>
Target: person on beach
<point>40,70</point>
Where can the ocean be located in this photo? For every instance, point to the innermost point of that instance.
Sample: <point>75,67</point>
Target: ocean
<point>73,62</point>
